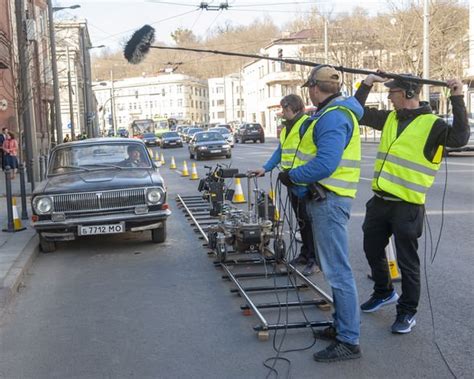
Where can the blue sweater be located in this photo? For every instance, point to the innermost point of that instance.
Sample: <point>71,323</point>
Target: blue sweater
<point>331,135</point>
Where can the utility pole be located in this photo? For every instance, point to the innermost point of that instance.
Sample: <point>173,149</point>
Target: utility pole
<point>69,86</point>
<point>85,81</point>
<point>54,67</point>
<point>426,48</point>
<point>112,102</point>
<point>26,115</point>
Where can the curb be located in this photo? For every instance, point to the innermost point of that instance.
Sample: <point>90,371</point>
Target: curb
<point>14,279</point>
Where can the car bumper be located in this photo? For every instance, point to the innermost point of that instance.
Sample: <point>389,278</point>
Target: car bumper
<point>68,229</point>
<point>209,153</point>
<point>169,144</point>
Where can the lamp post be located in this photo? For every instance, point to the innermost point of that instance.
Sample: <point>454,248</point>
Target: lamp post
<point>54,67</point>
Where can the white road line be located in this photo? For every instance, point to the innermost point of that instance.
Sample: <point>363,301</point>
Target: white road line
<point>430,213</point>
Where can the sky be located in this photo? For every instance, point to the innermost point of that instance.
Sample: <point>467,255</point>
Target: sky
<point>111,22</point>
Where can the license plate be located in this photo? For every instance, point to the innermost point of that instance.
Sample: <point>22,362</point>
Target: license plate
<point>215,151</point>
<point>101,229</point>
<point>172,143</point>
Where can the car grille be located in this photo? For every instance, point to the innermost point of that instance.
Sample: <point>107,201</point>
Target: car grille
<point>94,201</point>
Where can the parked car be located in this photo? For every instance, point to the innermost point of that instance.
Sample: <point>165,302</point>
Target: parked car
<point>250,132</point>
<point>470,144</point>
<point>228,136</point>
<point>191,132</point>
<point>208,144</point>
<point>149,139</point>
<point>99,186</point>
<point>122,132</point>
<point>170,139</point>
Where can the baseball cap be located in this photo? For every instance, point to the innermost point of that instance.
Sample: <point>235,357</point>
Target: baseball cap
<point>405,84</point>
<point>322,74</point>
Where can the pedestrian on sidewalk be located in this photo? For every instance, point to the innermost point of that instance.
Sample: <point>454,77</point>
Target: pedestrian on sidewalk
<point>294,117</point>
<point>3,137</point>
<point>10,149</point>
<point>409,156</point>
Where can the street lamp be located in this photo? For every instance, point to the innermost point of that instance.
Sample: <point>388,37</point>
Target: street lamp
<point>54,67</point>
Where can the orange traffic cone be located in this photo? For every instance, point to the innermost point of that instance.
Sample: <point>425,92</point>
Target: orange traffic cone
<point>185,169</point>
<point>162,159</point>
<point>172,164</point>
<point>194,174</point>
<point>238,193</point>
<point>392,261</point>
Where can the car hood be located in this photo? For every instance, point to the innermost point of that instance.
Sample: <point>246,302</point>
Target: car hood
<point>100,180</point>
<point>210,143</point>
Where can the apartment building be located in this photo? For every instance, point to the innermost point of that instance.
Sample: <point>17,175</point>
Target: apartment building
<point>226,99</point>
<point>166,95</point>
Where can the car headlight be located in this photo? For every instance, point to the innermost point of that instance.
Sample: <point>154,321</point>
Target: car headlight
<point>202,147</point>
<point>154,195</point>
<point>43,205</point>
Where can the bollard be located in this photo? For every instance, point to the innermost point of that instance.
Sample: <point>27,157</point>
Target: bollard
<point>8,186</point>
<point>45,166</point>
<point>41,167</point>
<point>24,211</point>
<point>31,174</point>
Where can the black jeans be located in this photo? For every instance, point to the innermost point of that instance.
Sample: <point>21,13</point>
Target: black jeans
<point>405,221</point>
<point>304,223</point>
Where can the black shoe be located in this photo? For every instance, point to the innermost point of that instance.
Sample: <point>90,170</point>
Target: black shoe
<point>310,269</point>
<point>299,260</point>
<point>403,323</point>
<point>338,351</point>
<point>327,334</point>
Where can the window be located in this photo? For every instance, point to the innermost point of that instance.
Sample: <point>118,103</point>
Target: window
<point>179,89</point>
<point>180,102</point>
<point>220,114</point>
<point>220,102</point>
<point>220,90</point>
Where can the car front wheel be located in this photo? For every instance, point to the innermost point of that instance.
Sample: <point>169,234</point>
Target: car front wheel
<point>158,235</point>
<point>46,246</point>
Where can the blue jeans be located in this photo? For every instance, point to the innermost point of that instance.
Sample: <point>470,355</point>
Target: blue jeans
<point>329,221</point>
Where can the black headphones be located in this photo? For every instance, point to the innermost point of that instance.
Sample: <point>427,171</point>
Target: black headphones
<point>410,91</point>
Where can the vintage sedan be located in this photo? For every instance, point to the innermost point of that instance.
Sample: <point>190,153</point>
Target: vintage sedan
<point>208,144</point>
<point>99,186</point>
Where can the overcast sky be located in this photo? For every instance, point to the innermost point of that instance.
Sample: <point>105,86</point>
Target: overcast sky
<point>113,21</point>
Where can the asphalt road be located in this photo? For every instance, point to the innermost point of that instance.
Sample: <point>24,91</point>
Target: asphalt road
<point>122,307</point>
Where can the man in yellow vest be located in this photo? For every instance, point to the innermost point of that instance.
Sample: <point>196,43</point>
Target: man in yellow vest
<point>409,155</point>
<point>325,172</point>
<point>293,113</point>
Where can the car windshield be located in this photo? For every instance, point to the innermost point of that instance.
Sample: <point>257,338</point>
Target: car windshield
<point>220,130</point>
<point>148,135</point>
<point>208,136</point>
<point>254,127</point>
<point>170,135</point>
<point>87,157</point>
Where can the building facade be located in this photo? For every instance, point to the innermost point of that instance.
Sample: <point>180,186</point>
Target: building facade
<point>226,99</point>
<point>163,96</point>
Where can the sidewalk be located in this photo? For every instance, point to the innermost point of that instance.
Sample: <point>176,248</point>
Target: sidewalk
<point>17,250</point>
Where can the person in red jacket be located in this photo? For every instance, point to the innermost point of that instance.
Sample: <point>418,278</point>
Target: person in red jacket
<point>10,151</point>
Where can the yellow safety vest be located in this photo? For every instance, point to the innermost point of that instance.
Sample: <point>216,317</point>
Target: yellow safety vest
<point>401,168</point>
<point>290,143</point>
<point>343,181</point>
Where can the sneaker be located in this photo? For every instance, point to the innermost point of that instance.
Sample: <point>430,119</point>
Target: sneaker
<point>374,303</point>
<point>327,334</point>
<point>310,269</point>
<point>299,260</point>
<point>403,323</point>
<point>337,351</point>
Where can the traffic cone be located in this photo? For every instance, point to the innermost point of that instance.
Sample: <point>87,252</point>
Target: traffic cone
<point>238,193</point>
<point>156,157</point>
<point>273,199</point>
<point>392,261</point>
<point>16,218</point>
<point>185,169</point>
<point>162,159</point>
<point>194,174</point>
<point>172,164</point>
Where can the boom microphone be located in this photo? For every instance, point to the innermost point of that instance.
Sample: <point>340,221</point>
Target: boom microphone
<point>141,42</point>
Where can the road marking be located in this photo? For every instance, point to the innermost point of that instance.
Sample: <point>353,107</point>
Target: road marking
<point>429,213</point>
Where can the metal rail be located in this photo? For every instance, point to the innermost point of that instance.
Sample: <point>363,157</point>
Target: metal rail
<point>195,209</point>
